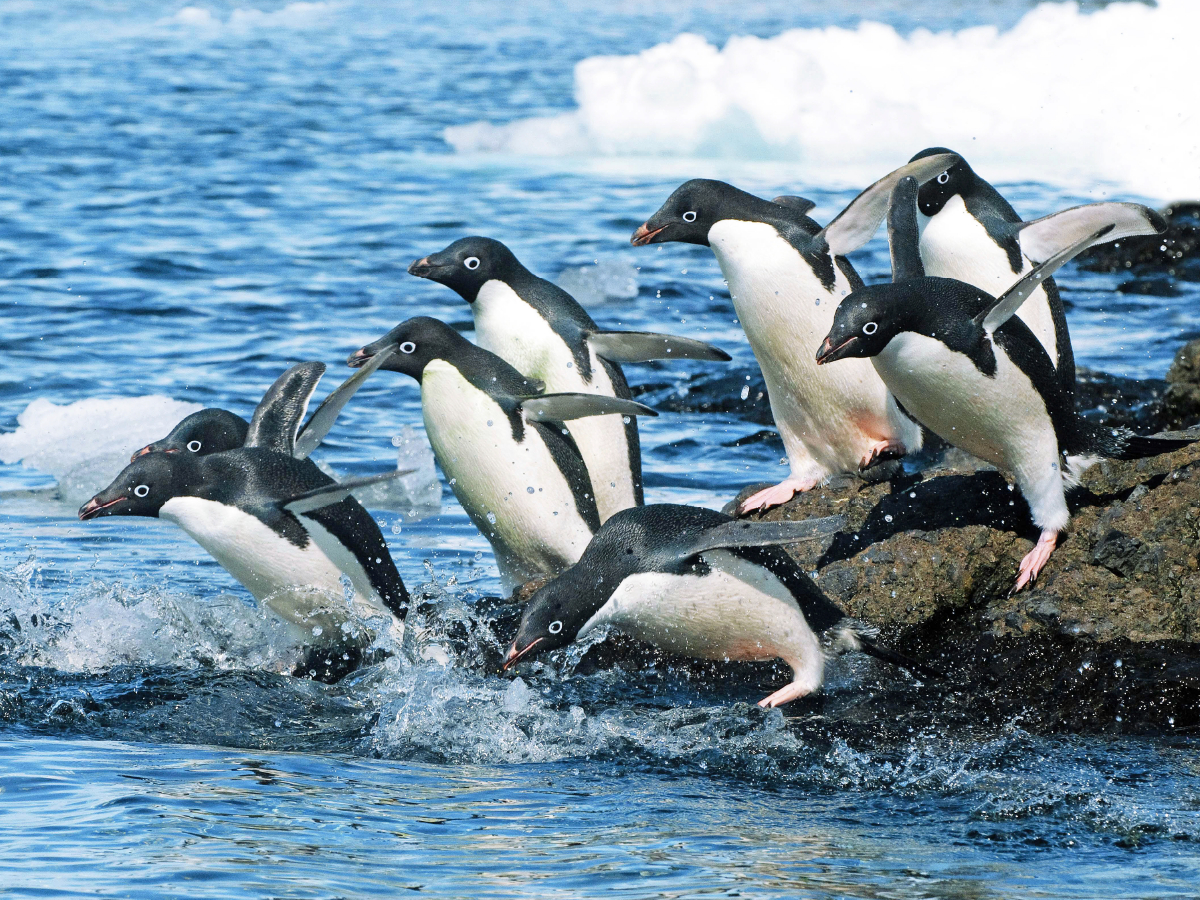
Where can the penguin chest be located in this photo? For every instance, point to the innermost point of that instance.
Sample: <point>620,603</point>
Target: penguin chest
<point>512,490</point>
<point>954,244</point>
<point>735,611</point>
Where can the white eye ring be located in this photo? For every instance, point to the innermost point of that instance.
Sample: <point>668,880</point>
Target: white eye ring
<point>408,347</point>
<point>471,262</point>
<point>689,216</point>
<point>943,178</point>
<point>870,328</point>
<point>194,446</point>
<point>141,490</point>
<point>555,627</point>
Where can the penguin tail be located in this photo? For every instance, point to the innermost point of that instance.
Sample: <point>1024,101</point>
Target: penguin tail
<point>1121,443</point>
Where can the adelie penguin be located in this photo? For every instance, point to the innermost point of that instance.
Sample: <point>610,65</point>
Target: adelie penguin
<point>501,443</point>
<point>969,232</point>
<point>698,583</point>
<point>540,330</point>
<point>786,275</point>
<point>972,372</point>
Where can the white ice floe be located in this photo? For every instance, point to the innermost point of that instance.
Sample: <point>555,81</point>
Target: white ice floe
<point>294,15</point>
<point>1066,96</point>
<point>416,495</point>
<point>602,282</point>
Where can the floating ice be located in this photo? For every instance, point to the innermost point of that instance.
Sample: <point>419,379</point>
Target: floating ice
<point>85,444</point>
<point>416,495</point>
<point>294,15</point>
<point>1063,97</point>
<point>606,280</point>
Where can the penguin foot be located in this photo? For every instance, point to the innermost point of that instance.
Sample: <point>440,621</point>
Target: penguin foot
<point>786,694</point>
<point>882,451</point>
<point>1035,559</point>
<point>780,493</point>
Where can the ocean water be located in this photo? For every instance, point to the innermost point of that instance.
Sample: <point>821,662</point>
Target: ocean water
<point>195,197</point>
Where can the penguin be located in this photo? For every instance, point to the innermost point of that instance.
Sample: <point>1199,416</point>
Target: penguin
<point>786,275</point>
<point>281,527</point>
<point>969,232</point>
<point>540,330</point>
<point>501,443</point>
<point>698,583</point>
<point>969,370</point>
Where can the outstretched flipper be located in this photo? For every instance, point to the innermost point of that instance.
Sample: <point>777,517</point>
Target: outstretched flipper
<point>1042,238</point>
<point>855,224</point>
<point>277,418</point>
<point>322,420</point>
<point>329,494</point>
<point>802,205</point>
<point>904,236</point>
<point>643,346</point>
<point>738,533</point>
<point>992,317</point>
<point>564,407</point>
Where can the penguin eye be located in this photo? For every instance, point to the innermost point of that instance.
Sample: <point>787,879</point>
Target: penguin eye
<point>194,446</point>
<point>408,347</point>
<point>141,490</point>
<point>555,626</point>
<point>870,328</point>
<point>471,262</point>
<point>689,216</point>
<point>944,177</point>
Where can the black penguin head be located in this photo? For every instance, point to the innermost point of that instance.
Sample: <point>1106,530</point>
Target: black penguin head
<point>144,486</point>
<point>692,210</point>
<point>201,433</point>
<point>865,321</point>
<point>958,179</point>
<point>467,265</point>
<point>413,344</point>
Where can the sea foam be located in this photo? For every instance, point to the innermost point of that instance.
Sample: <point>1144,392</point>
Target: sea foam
<point>1064,97</point>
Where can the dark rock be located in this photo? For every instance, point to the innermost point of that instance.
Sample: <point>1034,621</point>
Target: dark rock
<point>1181,401</point>
<point>1175,253</point>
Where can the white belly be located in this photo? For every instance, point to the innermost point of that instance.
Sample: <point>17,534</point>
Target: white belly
<point>513,330</point>
<point>514,493</point>
<point>739,611</point>
<point>955,245</point>
<point>367,602</point>
<point>828,416</point>
<point>1002,420</point>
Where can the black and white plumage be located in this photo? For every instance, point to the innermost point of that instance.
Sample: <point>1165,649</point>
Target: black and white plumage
<point>967,368</point>
<point>540,330</point>
<point>698,583</point>
<point>277,524</point>
<point>501,443</point>
<point>786,276</point>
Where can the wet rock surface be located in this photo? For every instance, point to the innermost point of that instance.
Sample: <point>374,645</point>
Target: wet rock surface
<point>1155,261</point>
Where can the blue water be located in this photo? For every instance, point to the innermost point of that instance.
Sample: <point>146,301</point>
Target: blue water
<point>192,201</point>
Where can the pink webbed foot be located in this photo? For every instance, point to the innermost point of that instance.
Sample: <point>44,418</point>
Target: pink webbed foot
<point>786,694</point>
<point>1035,559</point>
<point>780,493</point>
<point>882,451</point>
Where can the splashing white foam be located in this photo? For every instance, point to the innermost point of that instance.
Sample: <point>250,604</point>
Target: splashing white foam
<point>85,444</point>
<point>1064,97</point>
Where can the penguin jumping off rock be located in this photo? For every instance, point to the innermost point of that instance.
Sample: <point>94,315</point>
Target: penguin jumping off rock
<point>698,583</point>
<point>501,443</point>
<point>540,330</point>
<point>968,369</point>
<point>786,276</point>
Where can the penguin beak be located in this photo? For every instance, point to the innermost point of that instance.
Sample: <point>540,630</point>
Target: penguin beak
<point>830,353</point>
<point>644,235</point>
<point>94,507</point>
<point>358,358</point>
<point>423,268</point>
<point>514,654</point>
<point>141,452</point>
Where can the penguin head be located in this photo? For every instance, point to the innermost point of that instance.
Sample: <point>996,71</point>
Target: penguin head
<point>958,179</point>
<point>143,486</point>
<point>467,265</point>
<point>692,210</point>
<point>865,321</point>
<point>412,345</point>
<point>201,433</point>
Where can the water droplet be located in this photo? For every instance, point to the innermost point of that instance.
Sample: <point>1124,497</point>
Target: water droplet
<point>395,529</point>
<point>491,517</point>
<point>887,518</point>
<point>912,495</point>
<point>745,391</point>
<point>317,629</point>
<point>625,419</point>
<point>453,481</point>
<point>529,490</point>
<point>570,365</point>
<point>1118,664</point>
<point>489,423</point>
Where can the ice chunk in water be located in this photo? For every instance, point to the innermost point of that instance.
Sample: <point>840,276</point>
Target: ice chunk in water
<point>416,495</point>
<point>85,444</point>
<point>607,280</point>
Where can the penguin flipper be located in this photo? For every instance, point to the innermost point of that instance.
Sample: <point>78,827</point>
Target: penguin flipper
<point>904,236</point>
<point>1002,309</point>
<point>855,224</point>
<point>322,420</point>
<point>643,346</point>
<point>740,533</point>
<point>278,415</point>
<point>1041,238</point>
<point>564,407</point>
<point>868,646</point>
<point>329,494</point>
<point>802,205</point>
